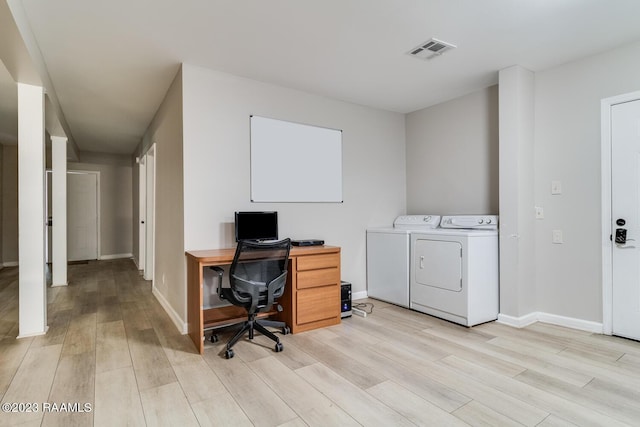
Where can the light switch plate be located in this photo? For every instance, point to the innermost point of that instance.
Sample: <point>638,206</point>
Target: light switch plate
<point>556,187</point>
<point>539,212</point>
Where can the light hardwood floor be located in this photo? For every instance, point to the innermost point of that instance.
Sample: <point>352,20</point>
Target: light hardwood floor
<point>111,345</point>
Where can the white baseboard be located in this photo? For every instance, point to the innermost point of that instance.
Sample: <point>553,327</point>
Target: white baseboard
<point>59,285</point>
<point>135,261</point>
<point>359,295</point>
<point>570,322</point>
<point>34,334</point>
<point>175,318</point>
<point>10,264</point>
<point>553,319</point>
<point>115,256</point>
<point>517,322</point>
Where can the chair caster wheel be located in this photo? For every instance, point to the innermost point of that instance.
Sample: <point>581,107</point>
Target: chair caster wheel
<point>214,338</point>
<point>279,347</point>
<point>286,330</point>
<point>228,354</point>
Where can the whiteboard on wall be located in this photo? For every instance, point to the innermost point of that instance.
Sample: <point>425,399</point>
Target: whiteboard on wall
<point>293,162</point>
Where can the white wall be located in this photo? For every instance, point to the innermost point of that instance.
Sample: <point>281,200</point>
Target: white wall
<point>165,131</point>
<point>452,156</point>
<point>567,148</point>
<point>217,107</point>
<point>115,200</point>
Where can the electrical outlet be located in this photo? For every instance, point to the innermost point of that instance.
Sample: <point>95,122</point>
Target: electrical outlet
<point>556,236</point>
<point>539,212</point>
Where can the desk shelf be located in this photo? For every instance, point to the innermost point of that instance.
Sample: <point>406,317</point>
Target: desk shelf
<point>227,315</point>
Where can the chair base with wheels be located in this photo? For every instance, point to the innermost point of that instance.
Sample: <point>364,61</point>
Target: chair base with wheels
<point>251,326</point>
<point>257,276</point>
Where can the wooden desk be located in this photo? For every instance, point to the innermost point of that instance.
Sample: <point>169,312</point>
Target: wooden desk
<point>311,299</point>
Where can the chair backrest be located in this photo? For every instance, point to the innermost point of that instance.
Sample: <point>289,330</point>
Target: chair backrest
<point>257,268</point>
<point>260,261</point>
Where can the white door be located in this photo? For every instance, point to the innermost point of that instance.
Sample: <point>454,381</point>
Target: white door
<point>150,213</point>
<point>142,214</point>
<point>82,216</point>
<point>48,235</point>
<point>625,216</point>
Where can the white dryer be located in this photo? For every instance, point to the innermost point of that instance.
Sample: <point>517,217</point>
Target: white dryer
<point>454,272</point>
<point>388,257</point>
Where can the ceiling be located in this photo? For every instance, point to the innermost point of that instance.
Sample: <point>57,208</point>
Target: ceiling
<point>111,62</point>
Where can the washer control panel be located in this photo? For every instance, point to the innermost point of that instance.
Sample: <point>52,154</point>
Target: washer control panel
<point>482,222</point>
<point>416,221</point>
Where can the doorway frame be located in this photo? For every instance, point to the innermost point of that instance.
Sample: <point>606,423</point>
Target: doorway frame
<point>605,191</point>
<point>150,213</point>
<point>142,213</point>
<point>48,208</point>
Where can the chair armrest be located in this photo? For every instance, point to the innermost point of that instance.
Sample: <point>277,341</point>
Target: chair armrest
<point>220,272</point>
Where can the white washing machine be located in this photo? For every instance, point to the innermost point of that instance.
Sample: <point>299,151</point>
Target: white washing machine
<point>454,270</point>
<point>388,257</point>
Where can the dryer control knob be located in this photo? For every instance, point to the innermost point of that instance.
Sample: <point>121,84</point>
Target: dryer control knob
<point>488,220</point>
<point>480,221</point>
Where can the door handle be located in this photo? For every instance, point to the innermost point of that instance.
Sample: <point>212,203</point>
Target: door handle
<point>422,262</point>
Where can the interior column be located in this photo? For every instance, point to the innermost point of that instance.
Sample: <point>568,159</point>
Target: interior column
<point>59,210</point>
<point>516,192</point>
<point>31,211</point>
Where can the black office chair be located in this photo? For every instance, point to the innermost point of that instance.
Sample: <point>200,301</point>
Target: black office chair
<point>257,276</point>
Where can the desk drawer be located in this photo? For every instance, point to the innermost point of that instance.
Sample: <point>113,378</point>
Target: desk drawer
<point>315,278</point>
<point>318,304</point>
<point>313,262</point>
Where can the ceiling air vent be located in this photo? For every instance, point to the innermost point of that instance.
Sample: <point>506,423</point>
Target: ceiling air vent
<point>431,48</point>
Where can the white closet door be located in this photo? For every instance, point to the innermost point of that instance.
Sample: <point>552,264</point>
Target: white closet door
<point>625,210</point>
<point>82,216</point>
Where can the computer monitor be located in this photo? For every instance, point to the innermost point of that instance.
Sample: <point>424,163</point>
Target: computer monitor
<point>256,226</point>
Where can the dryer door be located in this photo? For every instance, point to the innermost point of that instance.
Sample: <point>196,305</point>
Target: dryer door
<point>438,264</point>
